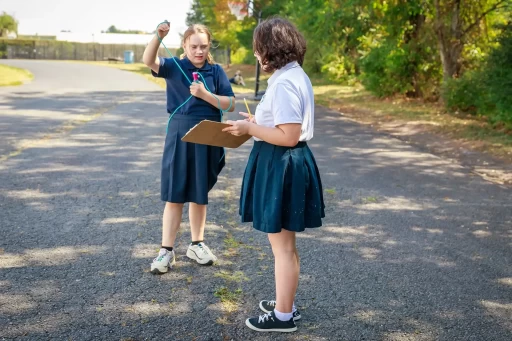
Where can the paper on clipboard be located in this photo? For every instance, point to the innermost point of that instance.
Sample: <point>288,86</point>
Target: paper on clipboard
<point>210,133</point>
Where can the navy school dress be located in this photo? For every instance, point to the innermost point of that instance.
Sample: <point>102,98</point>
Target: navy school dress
<point>189,170</point>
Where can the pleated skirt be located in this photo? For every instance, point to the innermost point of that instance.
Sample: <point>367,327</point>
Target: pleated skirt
<point>282,189</point>
<point>189,170</point>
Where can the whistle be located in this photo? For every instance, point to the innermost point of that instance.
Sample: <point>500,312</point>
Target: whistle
<point>195,75</point>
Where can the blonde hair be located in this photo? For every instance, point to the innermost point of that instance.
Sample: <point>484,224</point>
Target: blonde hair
<point>197,28</point>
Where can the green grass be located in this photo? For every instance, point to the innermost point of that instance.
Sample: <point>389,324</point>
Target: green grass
<point>229,299</point>
<point>237,276</point>
<point>11,76</point>
<point>138,68</point>
<point>231,242</point>
<point>249,75</point>
<point>247,72</point>
<point>368,200</point>
<point>358,103</point>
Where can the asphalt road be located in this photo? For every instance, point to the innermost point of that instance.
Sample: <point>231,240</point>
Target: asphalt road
<point>414,247</point>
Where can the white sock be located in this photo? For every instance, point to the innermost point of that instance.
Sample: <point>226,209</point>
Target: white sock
<point>294,308</point>
<point>283,316</point>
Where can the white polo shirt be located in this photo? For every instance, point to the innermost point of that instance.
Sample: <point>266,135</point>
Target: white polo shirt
<point>288,99</point>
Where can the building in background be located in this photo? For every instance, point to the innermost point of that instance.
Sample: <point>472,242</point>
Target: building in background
<point>11,35</point>
<point>172,41</point>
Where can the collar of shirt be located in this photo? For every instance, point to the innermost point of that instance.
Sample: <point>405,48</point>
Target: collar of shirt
<point>282,70</point>
<point>188,64</point>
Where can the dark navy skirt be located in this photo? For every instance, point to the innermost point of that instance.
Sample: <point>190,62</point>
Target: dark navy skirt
<point>189,170</point>
<point>282,189</point>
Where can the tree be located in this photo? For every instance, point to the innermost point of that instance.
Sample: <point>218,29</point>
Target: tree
<point>7,24</point>
<point>397,50</point>
<point>393,47</point>
<point>457,23</point>
<point>215,14</point>
<point>113,29</point>
<point>197,14</point>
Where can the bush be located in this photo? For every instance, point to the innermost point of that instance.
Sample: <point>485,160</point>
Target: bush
<point>385,71</point>
<point>338,68</point>
<point>396,68</point>
<point>242,56</point>
<point>499,77</point>
<point>465,94</point>
<point>487,91</point>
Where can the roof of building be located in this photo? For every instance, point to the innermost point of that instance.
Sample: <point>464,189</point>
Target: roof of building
<point>171,41</point>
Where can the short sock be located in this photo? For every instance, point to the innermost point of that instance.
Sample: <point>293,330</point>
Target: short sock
<point>283,316</point>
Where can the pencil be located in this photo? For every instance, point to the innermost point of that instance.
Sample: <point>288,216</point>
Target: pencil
<point>248,110</point>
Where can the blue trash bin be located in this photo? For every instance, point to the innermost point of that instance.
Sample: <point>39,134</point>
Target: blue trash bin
<point>128,57</point>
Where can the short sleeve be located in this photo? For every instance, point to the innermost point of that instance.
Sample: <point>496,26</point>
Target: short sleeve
<point>286,105</point>
<point>224,87</point>
<point>167,66</point>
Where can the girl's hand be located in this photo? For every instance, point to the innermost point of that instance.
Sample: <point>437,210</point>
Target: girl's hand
<point>163,29</point>
<point>250,118</point>
<point>197,89</point>
<point>238,128</point>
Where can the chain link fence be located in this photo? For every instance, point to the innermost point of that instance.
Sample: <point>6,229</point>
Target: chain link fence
<point>59,50</point>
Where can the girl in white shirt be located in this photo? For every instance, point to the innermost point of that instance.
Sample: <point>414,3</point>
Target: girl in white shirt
<point>281,189</point>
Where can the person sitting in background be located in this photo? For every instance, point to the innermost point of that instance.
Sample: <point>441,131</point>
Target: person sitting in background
<point>237,79</point>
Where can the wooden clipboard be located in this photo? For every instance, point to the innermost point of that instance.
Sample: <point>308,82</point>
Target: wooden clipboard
<point>210,133</point>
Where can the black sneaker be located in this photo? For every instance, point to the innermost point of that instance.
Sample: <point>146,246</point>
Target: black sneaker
<point>268,306</point>
<point>270,323</point>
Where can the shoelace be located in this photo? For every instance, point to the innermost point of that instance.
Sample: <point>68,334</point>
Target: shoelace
<point>161,255</point>
<point>272,303</point>
<point>204,249</point>
<point>265,317</point>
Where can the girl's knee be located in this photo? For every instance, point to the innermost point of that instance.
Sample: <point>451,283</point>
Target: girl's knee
<point>172,205</point>
<point>284,250</point>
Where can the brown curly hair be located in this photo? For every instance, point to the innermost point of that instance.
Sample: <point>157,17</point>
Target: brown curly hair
<point>278,42</point>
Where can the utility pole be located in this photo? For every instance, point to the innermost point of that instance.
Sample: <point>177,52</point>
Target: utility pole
<point>257,78</point>
<point>235,8</point>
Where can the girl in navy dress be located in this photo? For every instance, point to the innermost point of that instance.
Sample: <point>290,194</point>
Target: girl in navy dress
<point>281,189</point>
<point>189,170</point>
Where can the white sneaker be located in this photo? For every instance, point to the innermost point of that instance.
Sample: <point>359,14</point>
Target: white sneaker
<point>201,254</point>
<point>163,262</point>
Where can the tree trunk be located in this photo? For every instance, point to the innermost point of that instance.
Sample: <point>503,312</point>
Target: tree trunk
<point>449,40</point>
<point>228,55</point>
<point>411,39</point>
<point>450,55</point>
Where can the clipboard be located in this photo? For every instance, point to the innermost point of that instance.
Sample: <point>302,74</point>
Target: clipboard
<point>210,133</point>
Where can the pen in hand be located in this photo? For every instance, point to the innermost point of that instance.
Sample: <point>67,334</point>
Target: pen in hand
<point>248,110</point>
